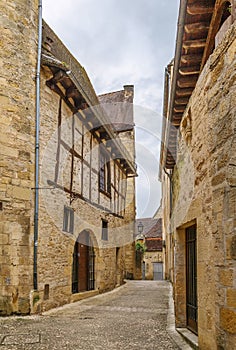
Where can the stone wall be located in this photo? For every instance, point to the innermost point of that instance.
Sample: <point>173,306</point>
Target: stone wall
<point>17,110</point>
<point>114,258</point>
<point>204,193</point>
<point>149,258</point>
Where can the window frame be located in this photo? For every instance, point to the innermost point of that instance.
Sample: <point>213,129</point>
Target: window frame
<point>104,230</point>
<point>68,220</point>
<point>104,173</point>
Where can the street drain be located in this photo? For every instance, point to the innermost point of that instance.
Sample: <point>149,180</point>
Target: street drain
<point>19,339</point>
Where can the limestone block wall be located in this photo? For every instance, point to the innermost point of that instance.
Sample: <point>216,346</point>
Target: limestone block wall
<point>150,258</point>
<point>128,139</point>
<point>17,115</point>
<point>204,193</point>
<point>114,258</point>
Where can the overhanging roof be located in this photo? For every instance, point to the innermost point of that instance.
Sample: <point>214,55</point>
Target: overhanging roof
<point>70,81</point>
<point>198,23</point>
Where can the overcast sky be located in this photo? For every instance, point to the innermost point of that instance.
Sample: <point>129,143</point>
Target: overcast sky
<point>123,42</point>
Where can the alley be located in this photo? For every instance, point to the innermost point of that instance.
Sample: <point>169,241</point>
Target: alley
<point>134,316</point>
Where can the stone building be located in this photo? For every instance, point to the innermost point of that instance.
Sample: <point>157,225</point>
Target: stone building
<point>149,234</point>
<point>67,200</point>
<point>198,172</point>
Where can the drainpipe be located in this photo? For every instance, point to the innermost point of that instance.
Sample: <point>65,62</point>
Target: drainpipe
<point>171,189</point>
<point>37,123</point>
<point>178,48</point>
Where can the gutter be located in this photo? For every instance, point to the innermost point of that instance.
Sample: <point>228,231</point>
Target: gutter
<point>177,56</point>
<point>37,127</point>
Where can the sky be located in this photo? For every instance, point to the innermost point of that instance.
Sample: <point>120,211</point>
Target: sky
<point>122,42</point>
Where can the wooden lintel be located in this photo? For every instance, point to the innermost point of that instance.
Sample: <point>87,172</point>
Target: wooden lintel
<point>194,44</point>
<point>189,70</point>
<point>187,82</point>
<point>200,7</point>
<point>196,28</point>
<point>191,58</point>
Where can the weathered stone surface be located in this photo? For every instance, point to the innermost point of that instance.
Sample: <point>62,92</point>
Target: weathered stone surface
<point>114,260</point>
<point>228,320</point>
<point>203,184</point>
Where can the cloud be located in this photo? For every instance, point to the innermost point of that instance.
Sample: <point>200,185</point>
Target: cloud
<point>124,42</point>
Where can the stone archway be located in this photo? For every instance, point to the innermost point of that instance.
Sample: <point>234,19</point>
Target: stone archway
<point>83,266</point>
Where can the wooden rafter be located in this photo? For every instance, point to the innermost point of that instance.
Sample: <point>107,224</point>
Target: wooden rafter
<point>214,27</point>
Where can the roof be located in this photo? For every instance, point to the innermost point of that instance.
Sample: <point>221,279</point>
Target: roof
<point>119,107</point>
<point>71,82</point>
<point>153,244</point>
<point>198,24</point>
<point>152,228</point>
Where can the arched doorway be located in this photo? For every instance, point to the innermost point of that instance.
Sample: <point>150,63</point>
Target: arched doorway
<point>83,277</point>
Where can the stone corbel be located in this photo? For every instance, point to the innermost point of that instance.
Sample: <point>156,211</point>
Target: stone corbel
<point>186,127</point>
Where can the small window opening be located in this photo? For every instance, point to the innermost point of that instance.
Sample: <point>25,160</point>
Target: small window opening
<point>104,230</point>
<point>68,220</point>
<point>46,292</point>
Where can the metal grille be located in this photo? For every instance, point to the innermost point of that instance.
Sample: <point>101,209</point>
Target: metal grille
<point>191,280</point>
<point>75,274</point>
<point>91,261</point>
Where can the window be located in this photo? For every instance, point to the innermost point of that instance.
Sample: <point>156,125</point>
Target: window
<point>104,230</point>
<point>104,174</point>
<point>68,220</point>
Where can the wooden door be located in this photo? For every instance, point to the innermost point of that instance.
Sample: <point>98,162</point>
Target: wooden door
<point>83,267</point>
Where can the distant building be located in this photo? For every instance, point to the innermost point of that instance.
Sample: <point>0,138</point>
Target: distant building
<point>149,233</point>
<point>78,240</point>
<point>198,173</point>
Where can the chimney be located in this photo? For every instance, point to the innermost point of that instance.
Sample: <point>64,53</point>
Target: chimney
<point>129,88</point>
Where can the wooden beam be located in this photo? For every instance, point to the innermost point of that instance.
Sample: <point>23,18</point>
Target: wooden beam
<point>196,28</point>
<point>187,82</point>
<point>50,83</point>
<point>200,7</point>
<point>179,109</point>
<point>184,92</point>
<point>191,59</point>
<point>177,115</point>
<point>182,101</point>
<point>214,27</point>
<point>194,44</point>
<point>59,76</point>
<point>189,70</point>
<point>72,92</point>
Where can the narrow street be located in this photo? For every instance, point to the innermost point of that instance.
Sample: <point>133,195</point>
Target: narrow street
<point>134,316</point>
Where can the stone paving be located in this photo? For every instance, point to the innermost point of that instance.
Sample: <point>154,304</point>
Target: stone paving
<point>134,316</point>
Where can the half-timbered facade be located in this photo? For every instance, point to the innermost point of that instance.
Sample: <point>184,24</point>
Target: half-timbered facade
<point>85,215</point>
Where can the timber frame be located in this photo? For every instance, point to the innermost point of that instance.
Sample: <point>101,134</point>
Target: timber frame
<point>199,21</point>
<point>70,81</point>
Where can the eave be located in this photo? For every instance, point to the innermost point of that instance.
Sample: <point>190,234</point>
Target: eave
<point>70,81</point>
<point>198,23</point>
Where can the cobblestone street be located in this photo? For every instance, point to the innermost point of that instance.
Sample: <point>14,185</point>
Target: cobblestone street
<point>137,315</point>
